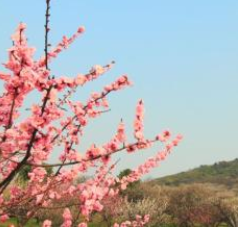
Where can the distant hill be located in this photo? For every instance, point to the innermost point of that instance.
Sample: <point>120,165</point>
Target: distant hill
<point>222,173</point>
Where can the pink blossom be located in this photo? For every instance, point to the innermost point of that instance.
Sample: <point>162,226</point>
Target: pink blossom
<point>138,122</point>
<point>80,80</point>
<point>4,217</point>
<point>37,174</point>
<point>97,70</point>
<point>67,218</point>
<point>47,223</point>
<point>83,224</point>
<point>121,136</point>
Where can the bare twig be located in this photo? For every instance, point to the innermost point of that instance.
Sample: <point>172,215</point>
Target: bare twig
<point>47,29</point>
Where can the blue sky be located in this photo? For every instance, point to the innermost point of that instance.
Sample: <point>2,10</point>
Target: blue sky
<point>181,55</point>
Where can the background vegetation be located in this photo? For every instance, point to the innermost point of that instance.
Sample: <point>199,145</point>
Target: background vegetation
<point>206,196</point>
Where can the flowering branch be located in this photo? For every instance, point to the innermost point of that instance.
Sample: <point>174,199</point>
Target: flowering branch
<point>32,141</point>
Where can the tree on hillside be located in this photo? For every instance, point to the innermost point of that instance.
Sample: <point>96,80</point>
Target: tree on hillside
<point>201,204</point>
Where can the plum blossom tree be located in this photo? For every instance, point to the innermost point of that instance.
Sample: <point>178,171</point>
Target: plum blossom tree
<point>29,140</point>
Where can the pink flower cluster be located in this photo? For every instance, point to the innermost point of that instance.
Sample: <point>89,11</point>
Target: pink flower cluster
<point>138,123</point>
<point>150,163</point>
<point>67,218</point>
<point>64,44</point>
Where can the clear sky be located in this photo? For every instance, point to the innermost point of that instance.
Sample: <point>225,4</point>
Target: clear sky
<point>182,56</point>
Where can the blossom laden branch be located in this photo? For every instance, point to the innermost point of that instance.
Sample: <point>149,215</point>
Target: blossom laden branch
<point>48,128</point>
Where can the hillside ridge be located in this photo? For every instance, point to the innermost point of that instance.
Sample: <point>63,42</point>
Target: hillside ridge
<point>223,172</point>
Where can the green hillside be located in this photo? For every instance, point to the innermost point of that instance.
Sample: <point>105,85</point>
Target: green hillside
<point>225,173</point>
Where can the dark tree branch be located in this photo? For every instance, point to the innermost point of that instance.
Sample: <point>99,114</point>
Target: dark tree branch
<point>47,29</point>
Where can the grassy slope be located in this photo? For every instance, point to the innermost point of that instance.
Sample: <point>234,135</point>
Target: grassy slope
<point>225,173</point>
